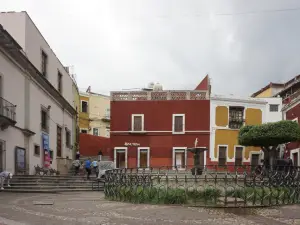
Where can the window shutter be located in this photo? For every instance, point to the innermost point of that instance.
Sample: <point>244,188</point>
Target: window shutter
<point>178,123</point>
<point>137,123</point>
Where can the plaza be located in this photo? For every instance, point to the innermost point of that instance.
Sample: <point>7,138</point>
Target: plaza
<point>92,208</point>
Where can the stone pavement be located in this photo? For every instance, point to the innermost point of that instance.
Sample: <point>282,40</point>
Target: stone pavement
<point>91,208</point>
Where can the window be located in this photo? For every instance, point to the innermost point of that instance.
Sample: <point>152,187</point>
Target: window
<point>59,82</point>
<point>274,108</point>
<point>143,157</point>
<point>84,106</point>
<point>179,158</point>
<point>222,155</point>
<point>107,113</point>
<point>178,123</point>
<point>37,150</point>
<point>84,131</point>
<point>96,131</point>
<point>137,122</point>
<point>239,156</point>
<point>68,138</point>
<point>44,120</point>
<point>107,132</point>
<point>44,63</point>
<point>58,141</point>
<point>236,117</point>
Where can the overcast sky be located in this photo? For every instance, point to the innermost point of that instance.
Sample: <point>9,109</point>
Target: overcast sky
<point>119,44</point>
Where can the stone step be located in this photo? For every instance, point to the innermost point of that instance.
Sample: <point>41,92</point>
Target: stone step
<point>48,187</point>
<point>51,184</point>
<point>50,191</point>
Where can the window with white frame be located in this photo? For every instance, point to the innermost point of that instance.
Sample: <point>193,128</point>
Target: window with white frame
<point>107,132</point>
<point>143,157</point>
<point>96,131</point>
<point>222,155</point>
<point>178,122</point>
<point>84,106</point>
<point>239,155</point>
<point>107,113</point>
<point>137,123</point>
<point>179,158</point>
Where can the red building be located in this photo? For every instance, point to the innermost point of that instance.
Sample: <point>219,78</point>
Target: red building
<point>154,128</point>
<point>90,145</point>
<point>291,111</point>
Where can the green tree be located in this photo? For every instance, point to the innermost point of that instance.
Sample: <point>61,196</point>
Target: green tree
<point>269,136</point>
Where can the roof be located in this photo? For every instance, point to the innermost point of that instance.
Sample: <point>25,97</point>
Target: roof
<point>203,85</point>
<point>234,98</point>
<point>270,85</point>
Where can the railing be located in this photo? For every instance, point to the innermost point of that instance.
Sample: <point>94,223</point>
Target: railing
<point>158,95</point>
<point>210,186</point>
<point>7,109</point>
<point>293,96</point>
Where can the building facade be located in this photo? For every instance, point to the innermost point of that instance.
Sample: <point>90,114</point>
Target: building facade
<point>155,128</point>
<point>228,115</point>
<point>41,92</point>
<point>95,114</point>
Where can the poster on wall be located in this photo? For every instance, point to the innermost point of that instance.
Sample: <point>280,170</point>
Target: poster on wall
<point>45,138</point>
<point>20,159</point>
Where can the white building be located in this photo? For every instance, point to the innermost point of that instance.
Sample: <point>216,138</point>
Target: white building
<point>37,102</point>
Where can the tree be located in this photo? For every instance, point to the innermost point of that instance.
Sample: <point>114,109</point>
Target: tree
<point>269,136</point>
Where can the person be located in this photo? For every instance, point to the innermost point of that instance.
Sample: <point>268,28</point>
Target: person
<point>5,176</point>
<point>98,168</point>
<point>88,167</point>
<point>94,164</point>
<point>76,164</point>
<point>77,155</point>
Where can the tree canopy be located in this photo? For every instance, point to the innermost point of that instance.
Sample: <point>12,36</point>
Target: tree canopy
<point>269,134</point>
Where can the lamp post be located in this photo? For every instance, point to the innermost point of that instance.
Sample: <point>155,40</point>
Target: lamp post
<point>198,168</point>
<point>100,155</point>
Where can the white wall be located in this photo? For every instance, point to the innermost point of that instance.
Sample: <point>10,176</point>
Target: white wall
<point>24,31</point>
<point>273,116</point>
<point>13,90</point>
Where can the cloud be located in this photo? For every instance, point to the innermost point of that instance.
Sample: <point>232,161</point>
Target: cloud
<point>126,44</point>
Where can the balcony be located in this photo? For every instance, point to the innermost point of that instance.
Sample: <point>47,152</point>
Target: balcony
<point>106,118</point>
<point>7,114</point>
<point>158,95</point>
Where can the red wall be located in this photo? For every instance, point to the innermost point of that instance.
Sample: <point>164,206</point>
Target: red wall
<point>90,145</point>
<point>290,115</point>
<point>158,117</point>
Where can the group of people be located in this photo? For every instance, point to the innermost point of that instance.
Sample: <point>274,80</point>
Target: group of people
<point>89,166</point>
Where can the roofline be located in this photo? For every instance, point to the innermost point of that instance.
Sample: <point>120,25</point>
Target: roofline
<point>240,100</point>
<point>16,52</point>
<point>266,87</point>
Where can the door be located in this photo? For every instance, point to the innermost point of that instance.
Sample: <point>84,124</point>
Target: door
<point>120,159</point>
<point>295,158</point>
<point>254,160</point>
<point>143,159</point>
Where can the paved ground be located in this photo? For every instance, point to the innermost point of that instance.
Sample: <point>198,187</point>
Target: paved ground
<point>91,208</point>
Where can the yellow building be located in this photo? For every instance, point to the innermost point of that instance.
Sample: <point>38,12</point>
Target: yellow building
<point>95,113</point>
<point>268,91</point>
<point>228,115</point>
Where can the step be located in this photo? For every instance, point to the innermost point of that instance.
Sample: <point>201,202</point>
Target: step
<point>47,190</point>
<point>51,185</point>
<point>48,187</point>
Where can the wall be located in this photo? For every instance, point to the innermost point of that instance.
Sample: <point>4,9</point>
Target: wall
<point>98,106</point>
<point>293,113</point>
<point>158,127</point>
<point>28,95</point>
<point>266,93</point>
<point>254,113</point>
<point>22,28</point>
<point>84,122</point>
<point>90,145</point>
<point>273,116</point>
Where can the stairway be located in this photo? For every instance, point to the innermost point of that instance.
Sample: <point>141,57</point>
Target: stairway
<point>52,184</point>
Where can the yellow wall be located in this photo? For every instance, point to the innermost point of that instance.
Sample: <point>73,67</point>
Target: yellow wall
<point>83,117</point>
<point>230,137</point>
<point>265,94</point>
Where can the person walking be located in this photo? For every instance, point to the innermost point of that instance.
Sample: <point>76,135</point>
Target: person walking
<point>88,167</point>
<point>76,164</point>
<point>94,164</point>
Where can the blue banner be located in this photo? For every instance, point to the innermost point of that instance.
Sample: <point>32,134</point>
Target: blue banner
<point>45,138</point>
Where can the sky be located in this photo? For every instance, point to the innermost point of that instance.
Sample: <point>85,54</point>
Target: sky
<point>122,44</point>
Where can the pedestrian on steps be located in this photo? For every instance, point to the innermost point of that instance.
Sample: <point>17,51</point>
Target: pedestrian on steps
<point>76,165</point>
<point>88,167</point>
<point>5,176</point>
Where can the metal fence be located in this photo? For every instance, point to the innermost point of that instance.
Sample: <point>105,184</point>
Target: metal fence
<point>210,186</point>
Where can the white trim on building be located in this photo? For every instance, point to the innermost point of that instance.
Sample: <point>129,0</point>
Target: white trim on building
<point>183,123</point>
<point>120,149</point>
<point>179,149</point>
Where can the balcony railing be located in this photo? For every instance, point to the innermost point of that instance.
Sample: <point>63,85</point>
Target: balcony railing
<point>292,96</point>
<point>158,95</point>
<point>7,109</point>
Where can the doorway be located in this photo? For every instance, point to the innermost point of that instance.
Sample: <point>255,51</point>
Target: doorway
<point>254,160</point>
<point>120,158</point>
<point>179,158</point>
<point>2,156</point>
<point>143,157</point>
<point>295,158</point>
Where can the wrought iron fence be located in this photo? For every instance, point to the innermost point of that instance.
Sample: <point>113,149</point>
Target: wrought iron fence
<point>209,186</point>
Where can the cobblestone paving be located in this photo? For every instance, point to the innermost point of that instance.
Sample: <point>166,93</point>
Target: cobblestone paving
<point>92,208</point>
